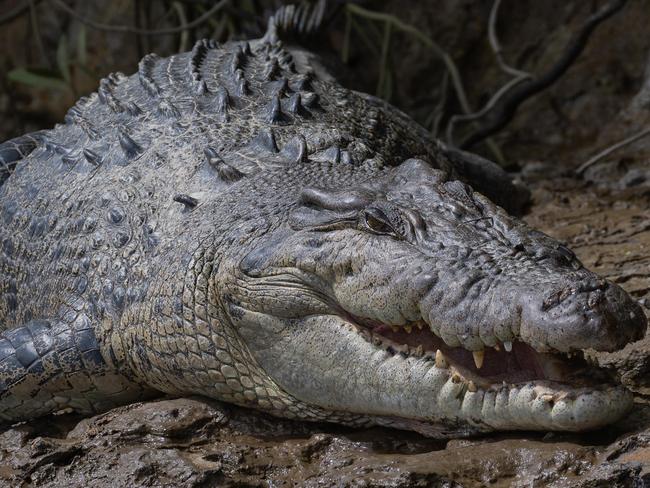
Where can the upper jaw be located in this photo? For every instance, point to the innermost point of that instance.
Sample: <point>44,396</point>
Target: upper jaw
<point>563,314</point>
<point>603,319</point>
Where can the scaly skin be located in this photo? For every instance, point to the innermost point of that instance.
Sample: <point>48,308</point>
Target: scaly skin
<point>160,241</point>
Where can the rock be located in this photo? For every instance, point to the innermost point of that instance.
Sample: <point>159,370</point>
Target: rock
<point>632,365</point>
<point>634,177</point>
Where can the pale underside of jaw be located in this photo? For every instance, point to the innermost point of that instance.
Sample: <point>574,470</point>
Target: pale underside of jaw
<point>510,386</point>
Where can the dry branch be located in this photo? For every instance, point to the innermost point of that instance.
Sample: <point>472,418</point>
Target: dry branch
<point>505,109</point>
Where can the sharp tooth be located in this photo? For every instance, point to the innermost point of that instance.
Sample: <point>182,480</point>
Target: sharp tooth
<point>478,358</point>
<point>508,346</point>
<point>394,328</point>
<point>471,386</point>
<point>418,351</point>
<point>497,347</point>
<point>408,328</point>
<point>546,398</point>
<point>455,378</point>
<point>441,361</point>
<point>420,325</point>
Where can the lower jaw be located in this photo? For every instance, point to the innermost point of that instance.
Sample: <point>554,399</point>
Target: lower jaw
<point>518,410</point>
<point>546,406</point>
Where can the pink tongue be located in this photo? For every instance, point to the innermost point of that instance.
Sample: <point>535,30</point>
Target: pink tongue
<point>521,364</point>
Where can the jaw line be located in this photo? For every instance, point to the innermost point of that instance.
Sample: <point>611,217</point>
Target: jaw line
<point>567,407</point>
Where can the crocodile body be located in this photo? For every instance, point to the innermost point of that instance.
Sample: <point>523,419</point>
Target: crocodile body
<point>231,222</point>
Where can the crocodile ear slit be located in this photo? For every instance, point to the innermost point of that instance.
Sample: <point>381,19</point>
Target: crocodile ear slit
<point>335,200</point>
<point>328,209</point>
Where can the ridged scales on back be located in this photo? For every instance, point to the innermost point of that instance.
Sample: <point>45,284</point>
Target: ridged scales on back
<point>94,213</point>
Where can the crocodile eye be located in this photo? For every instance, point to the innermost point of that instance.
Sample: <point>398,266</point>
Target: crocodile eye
<point>376,222</point>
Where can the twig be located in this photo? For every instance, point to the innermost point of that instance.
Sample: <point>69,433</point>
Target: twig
<point>519,76</point>
<point>439,111</point>
<point>496,46</point>
<point>440,53</point>
<point>364,36</point>
<point>446,59</point>
<point>606,152</point>
<point>477,115</point>
<point>185,35</point>
<point>37,33</point>
<point>142,19</point>
<point>508,105</point>
<point>345,52</point>
<point>383,64</point>
<point>17,11</point>
<point>135,30</point>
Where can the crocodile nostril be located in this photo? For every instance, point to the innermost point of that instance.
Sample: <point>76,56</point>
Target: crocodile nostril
<point>595,298</point>
<point>593,285</point>
<point>594,288</point>
<point>557,297</point>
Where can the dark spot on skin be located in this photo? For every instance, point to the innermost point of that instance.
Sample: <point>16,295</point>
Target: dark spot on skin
<point>177,306</point>
<point>235,311</point>
<point>118,297</point>
<point>313,243</point>
<point>116,215</point>
<point>188,201</point>
<point>80,285</point>
<point>121,239</point>
<point>89,224</point>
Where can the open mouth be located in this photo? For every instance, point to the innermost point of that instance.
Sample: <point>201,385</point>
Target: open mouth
<point>506,364</point>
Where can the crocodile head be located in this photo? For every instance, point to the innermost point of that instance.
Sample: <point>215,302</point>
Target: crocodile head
<point>418,303</point>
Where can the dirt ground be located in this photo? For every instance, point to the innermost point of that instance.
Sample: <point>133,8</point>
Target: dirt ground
<point>604,217</point>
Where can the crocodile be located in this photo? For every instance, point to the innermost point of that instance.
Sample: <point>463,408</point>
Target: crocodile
<point>231,222</point>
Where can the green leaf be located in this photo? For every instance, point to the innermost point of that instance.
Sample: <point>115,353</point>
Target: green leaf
<point>21,75</point>
<point>63,59</point>
<point>82,52</point>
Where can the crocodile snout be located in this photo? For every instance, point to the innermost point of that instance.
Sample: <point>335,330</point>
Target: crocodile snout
<point>588,314</point>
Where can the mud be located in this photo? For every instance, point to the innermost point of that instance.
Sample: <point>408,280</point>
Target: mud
<point>194,443</point>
